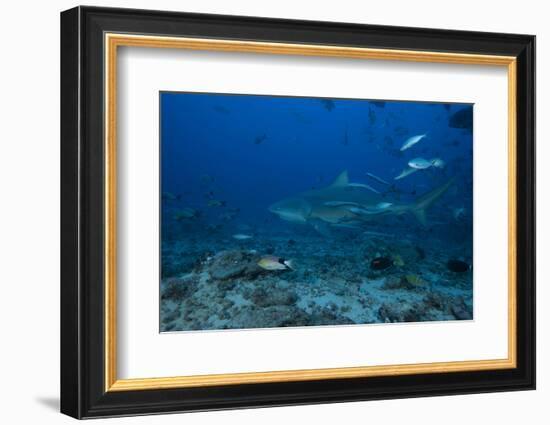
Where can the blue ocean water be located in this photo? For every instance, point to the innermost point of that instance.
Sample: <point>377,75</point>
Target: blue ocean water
<point>361,252</point>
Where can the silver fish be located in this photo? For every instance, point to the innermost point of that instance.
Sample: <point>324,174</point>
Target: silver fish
<point>420,163</point>
<point>241,236</point>
<point>411,141</point>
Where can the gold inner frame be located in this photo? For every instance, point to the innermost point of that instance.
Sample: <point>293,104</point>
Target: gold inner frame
<point>113,41</point>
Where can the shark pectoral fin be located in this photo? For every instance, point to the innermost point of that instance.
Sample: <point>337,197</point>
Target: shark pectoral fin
<point>422,204</point>
<point>322,228</point>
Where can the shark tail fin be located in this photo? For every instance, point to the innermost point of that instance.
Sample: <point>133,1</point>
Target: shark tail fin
<point>422,204</point>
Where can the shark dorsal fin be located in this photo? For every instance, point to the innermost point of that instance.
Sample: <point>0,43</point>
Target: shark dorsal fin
<point>342,180</point>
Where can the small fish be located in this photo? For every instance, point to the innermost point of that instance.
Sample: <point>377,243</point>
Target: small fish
<point>216,203</point>
<point>372,117</point>
<point>169,196</point>
<point>221,109</point>
<point>364,186</point>
<point>462,119</point>
<point>328,104</point>
<point>241,236</point>
<point>227,216</point>
<point>458,266</point>
<point>378,103</point>
<point>378,179</point>
<point>415,280</point>
<point>381,263</point>
<point>260,139</point>
<point>398,261</point>
<point>411,141</point>
<point>420,163</point>
<point>271,262</point>
<point>406,172</point>
<point>186,214</point>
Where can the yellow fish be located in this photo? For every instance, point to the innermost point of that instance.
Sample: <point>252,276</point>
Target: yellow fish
<point>271,262</point>
<point>415,280</point>
<point>398,261</point>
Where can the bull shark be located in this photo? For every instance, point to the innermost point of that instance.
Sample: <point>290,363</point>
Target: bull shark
<point>345,204</point>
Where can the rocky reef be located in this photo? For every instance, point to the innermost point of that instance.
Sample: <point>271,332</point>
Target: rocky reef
<point>216,283</point>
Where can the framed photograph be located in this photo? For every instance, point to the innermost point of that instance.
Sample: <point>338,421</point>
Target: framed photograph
<point>261,212</point>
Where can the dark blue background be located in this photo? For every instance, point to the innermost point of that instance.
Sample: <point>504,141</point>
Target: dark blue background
<point>305,146</point>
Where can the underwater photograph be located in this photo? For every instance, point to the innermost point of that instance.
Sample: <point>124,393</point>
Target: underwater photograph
<point>280,211</point>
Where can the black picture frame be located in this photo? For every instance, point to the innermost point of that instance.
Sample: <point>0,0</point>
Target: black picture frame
<point>83,392</point>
